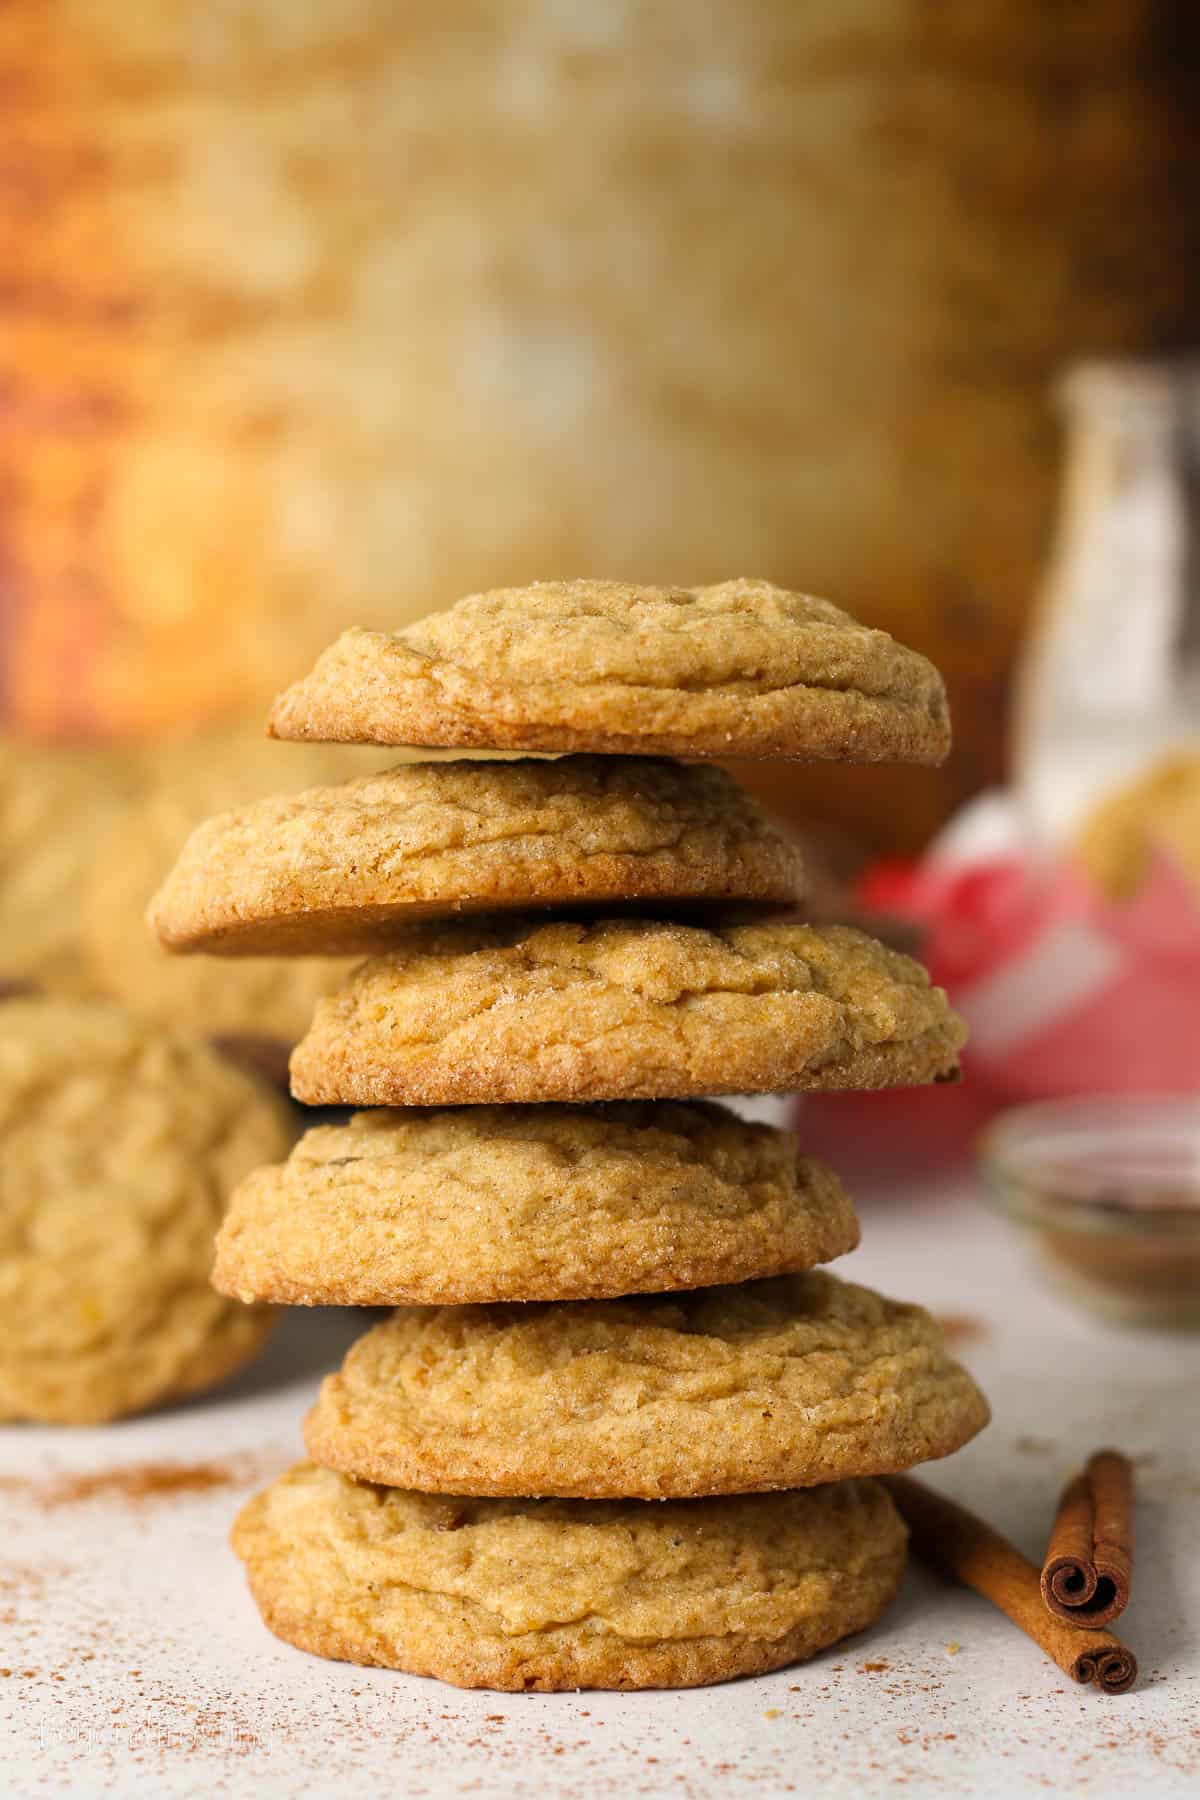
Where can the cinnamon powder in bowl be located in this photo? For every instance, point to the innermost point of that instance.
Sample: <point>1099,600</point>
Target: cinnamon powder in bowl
<point>1108,1190</point>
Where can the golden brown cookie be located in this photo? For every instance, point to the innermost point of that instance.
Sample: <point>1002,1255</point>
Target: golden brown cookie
<point>774,1384</point>
<point>57,809</point>
<point>741,669</point>
<point>122,1145</point>
<point>338,868</point>
<point>1159,812</point>
<point>262,997</point>
<point>529,1203</point>
<point>517,1010</point>
<point>545,1594</point>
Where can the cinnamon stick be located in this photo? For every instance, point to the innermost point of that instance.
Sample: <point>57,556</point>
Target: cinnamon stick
<point>968,1550</point>
<point>1088,1570</point>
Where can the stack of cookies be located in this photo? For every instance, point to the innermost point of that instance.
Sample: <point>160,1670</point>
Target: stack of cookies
<point>619,1430</point>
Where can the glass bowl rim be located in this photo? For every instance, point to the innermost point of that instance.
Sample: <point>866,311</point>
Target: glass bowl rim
<point>1016,1149</point>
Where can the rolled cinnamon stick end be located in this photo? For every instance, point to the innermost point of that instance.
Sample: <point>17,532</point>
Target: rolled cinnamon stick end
<point>1088,1571</point>
<point>968,1550</point>
<point>1113,1669</point>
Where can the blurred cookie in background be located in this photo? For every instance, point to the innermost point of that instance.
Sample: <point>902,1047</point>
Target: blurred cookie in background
<point>1157,813</point>
<point>58,806</point>
<point>255,1004</point>
<point>121,1145</point>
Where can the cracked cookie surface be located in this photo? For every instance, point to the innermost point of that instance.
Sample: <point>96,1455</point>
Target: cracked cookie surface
<point>122,1144</point>
<point>529,1203</point>
<point>337,868</point>
<point>522,1011</point>
<point>740,669</point>
<point>786,1383</point>
<point>546,1595</point>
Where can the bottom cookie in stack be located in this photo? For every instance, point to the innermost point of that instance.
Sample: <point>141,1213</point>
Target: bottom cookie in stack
<point>551,1594</point>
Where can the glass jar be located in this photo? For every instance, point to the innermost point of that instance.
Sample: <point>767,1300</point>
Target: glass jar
<point>1110,681</point>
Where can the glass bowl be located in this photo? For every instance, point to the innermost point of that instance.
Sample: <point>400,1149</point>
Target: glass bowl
<point>1108,1190</point>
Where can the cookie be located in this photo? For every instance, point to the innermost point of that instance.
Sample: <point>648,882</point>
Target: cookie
<point>337,868</point>
<point>518,1010</point>
<point>1158,814</point>
<point>544,1594</point>
<point>122,1144</point>
<point>57,807</point>
<point>529,1203</point>
<point>261,997</point>
<point>774,1384</point>
<point>743,669</point>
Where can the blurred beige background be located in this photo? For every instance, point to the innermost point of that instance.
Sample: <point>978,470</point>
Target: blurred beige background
<point>329,312</point>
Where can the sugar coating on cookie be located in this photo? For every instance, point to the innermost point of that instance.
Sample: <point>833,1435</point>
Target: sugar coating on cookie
<point>491,1203</point>
<point>741,669</point>
<point>521,1011</point>
<point>789,1382</point>
<point>122,1144</point>
<point>337,868</point>
<point>546,1595</point>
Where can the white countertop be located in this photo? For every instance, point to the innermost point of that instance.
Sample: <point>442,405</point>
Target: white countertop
<point>139,1666</point>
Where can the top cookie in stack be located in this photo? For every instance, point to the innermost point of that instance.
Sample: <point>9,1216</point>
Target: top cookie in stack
<point>741,669</point>
<point>611,926</point>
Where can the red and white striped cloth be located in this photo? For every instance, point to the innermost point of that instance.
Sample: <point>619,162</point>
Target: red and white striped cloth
<point>1065,991</point>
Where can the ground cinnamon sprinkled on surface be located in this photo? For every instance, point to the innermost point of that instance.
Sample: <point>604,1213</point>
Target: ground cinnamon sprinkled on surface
<point>139,1483</point>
